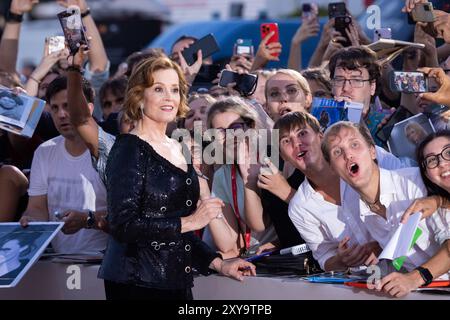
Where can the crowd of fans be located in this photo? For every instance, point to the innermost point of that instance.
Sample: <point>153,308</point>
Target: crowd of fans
<point>340,191</point>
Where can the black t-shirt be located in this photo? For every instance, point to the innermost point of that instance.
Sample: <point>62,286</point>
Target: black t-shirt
<point>277,210</point>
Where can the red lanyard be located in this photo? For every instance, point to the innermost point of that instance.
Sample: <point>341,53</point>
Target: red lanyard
<point>236,207</point>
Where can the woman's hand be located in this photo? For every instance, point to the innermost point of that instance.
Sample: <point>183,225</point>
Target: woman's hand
<point>248,164</point>
<point>265,52</point>
<point>190,72</point>
<point>308,29</point>
<point>427,206</point>
<point>273,181</point>
<point>334,45</point>
<point>234,268</point>
<point>207,210</point>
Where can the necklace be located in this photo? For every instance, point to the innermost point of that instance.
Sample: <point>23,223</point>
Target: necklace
<point>375,206</point>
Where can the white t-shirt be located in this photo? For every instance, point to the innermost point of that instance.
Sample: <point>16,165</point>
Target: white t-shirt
<point>221,189</point>
<point>70,183</point>
<point>398,189</point>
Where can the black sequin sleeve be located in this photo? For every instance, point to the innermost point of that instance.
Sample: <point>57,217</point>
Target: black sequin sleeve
<point>126,186</point>
<point>202,254</point>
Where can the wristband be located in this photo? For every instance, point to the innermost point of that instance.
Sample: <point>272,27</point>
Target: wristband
<point>34,79</point>
<point>15,18</point>
<point>86,13</point>
<point>75,68</point>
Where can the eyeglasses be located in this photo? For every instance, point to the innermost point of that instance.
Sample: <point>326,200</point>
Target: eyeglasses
<point>291,92</point>
<point>433,161</point>
<point>354,83</point>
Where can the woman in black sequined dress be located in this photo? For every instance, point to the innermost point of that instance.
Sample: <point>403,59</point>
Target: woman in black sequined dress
<point>153,194</point>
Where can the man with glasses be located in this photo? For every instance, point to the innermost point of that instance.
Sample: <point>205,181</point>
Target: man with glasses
<point>355,77</point>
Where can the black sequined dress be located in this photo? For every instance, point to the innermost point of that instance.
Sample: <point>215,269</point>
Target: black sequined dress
<point>147,196</point>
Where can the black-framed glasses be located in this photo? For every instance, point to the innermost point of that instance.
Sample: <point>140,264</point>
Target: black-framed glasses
<point>432,161</point>
<point>354,83</point>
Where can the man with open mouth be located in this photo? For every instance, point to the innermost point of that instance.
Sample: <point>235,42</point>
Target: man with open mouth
<point>337,240</point>
<point>377,198</point>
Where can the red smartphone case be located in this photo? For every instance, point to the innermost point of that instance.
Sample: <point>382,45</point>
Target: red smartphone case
<point>266,28</point>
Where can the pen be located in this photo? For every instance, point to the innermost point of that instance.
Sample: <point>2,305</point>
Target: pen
<point>256,257</point>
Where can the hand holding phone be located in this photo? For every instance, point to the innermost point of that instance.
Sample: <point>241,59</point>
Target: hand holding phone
<point>208,45</point>
<point>410,82</point>
<point>245,83</point>
<point>73,28</point>
<point>423,12</point>
<point>243,47</point>
<point>266,29</point>
<point>309,11</point>
<point>341,24</point>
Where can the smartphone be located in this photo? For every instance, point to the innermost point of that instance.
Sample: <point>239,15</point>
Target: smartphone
<point>423,12</point>
<point>266,28</point>
<point>56,43</point>
<point>243,46</point>
<point>382,33</point>
<point>409,82</point>
<point>207,44</point>
<point>341,24</point>
<point>309,11</point>
<point>399,115</point>
<point>73,28</point>
<point>337,9</point>
<point>245,83</point>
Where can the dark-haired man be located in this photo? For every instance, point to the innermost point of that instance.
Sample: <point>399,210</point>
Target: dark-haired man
<point>63,184</point>
<point>355,77</point>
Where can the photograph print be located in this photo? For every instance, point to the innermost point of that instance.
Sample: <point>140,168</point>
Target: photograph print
<point>408,134</point>
<point>14,109</point>
<point>21,247</point>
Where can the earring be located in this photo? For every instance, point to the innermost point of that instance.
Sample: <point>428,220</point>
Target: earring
<point>141,106</point>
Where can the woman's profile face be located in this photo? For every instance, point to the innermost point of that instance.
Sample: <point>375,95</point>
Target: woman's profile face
<point>162,99</point>
<point>284,95</point>
<point>440,175</point>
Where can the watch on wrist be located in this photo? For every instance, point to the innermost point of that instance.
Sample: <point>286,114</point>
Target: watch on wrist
<point>90,222</point>
<point>425,274</point>
<point>86,13</point>
<point>12,17</point>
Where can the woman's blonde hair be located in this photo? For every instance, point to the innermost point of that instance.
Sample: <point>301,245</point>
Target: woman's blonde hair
<point>205,96</point>
<point>302,82</point>
<point>142,78</point>
<point>236,105</point>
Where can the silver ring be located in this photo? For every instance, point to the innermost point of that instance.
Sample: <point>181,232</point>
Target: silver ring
<point>219,216</point>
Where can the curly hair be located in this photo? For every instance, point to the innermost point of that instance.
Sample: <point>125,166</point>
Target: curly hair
<point>142,78</point>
